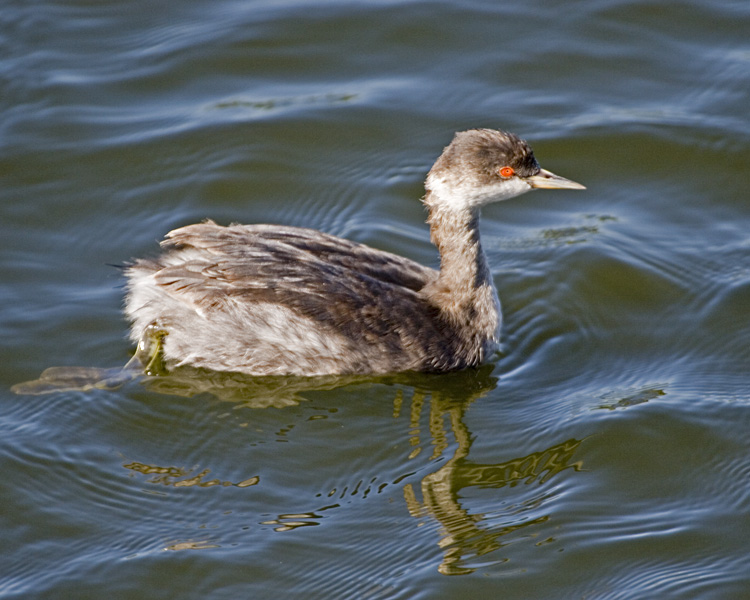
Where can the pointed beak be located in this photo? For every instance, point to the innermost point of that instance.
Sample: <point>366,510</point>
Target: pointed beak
<point>549,181</point>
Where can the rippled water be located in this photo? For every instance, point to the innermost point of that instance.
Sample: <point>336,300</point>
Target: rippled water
<point>604,455</point>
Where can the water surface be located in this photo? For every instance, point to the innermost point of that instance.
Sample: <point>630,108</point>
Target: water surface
<point>604,454</point>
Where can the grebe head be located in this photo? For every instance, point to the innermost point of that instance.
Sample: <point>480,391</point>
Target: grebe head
<point>481,166</point>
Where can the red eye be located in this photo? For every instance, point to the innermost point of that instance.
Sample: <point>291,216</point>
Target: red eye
<point>506,172</point>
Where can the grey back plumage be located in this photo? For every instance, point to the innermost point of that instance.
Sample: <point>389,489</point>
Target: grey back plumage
<point>366,299</point>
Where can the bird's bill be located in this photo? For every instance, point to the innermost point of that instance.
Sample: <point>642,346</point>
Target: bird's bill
<point>549,181</point>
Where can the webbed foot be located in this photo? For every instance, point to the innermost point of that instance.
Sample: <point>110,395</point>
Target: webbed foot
<point>148,359</point>
<point>150,350</point>
<point>62,379</point>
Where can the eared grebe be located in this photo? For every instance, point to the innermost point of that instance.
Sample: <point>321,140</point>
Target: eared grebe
<point>275,300</point>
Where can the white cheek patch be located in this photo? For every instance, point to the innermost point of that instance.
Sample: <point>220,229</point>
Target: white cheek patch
<point>510,188</point>
<point>463,194</point>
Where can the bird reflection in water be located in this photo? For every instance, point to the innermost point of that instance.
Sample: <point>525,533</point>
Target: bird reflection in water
<point>466,535</point>
<point>463,534</point>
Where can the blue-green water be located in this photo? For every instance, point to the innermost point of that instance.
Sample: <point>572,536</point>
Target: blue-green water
<point>605,454</point>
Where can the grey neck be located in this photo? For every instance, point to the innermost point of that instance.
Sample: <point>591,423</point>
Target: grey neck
<point>464,290</point>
